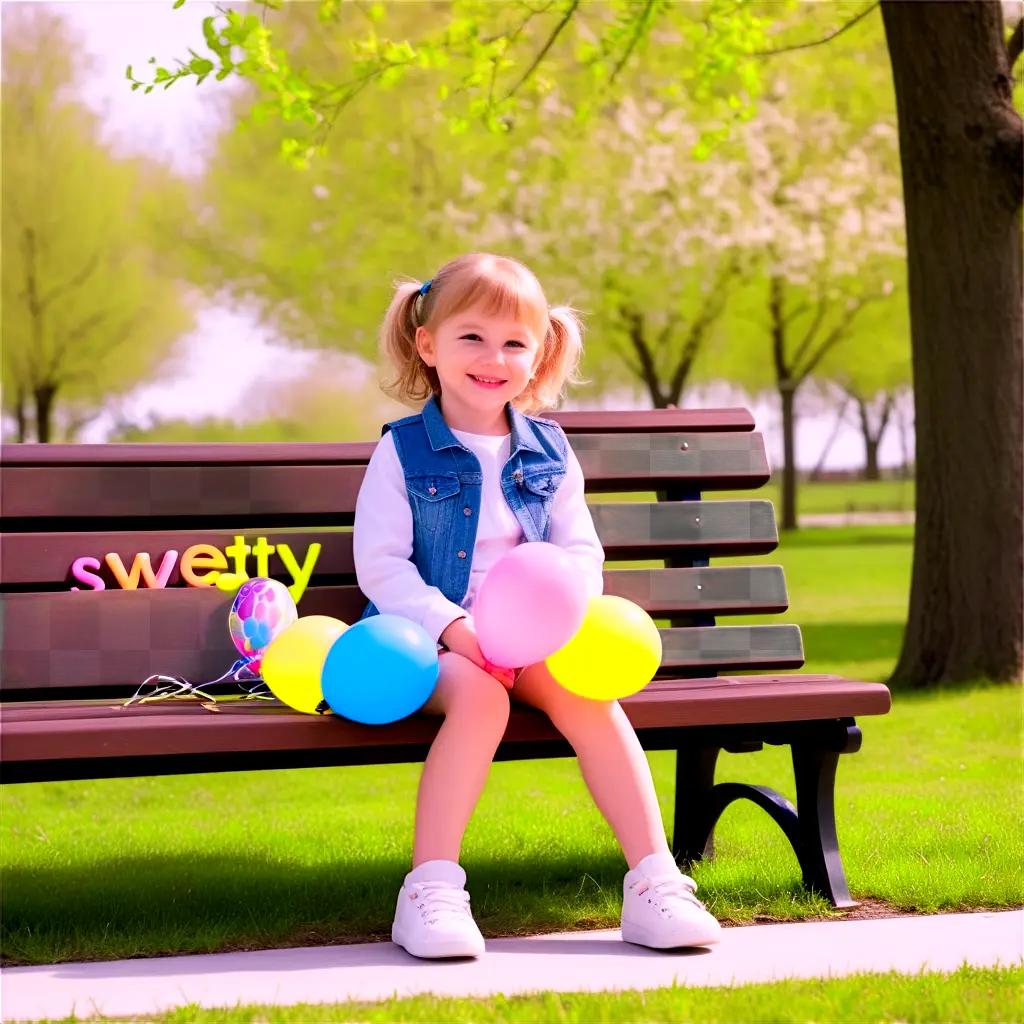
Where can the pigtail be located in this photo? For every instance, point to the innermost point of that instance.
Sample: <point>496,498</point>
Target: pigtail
<point>413,380</point>
<point>559,364</point>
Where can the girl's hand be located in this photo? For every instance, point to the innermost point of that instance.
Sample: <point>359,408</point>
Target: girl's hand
<point>460,636</point>
<point>505,676</point>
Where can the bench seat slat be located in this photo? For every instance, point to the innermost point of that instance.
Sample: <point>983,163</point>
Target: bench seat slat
<point>104,732</point>
<point>50,710</point>
<point>635,530</point>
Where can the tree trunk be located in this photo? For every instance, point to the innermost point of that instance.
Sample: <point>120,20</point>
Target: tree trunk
<point>44,395</point>
<point>787,395</point>
<point>871,457</point>
<point>872,440</point>
<point>21,416</point>
<point>961,155</point>
<point>789,517</point>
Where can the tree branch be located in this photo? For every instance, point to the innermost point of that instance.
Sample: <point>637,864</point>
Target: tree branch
<point>642,22</point>
<point>834,337</point>
<point>77,279</point>
<point>515,33</point>
<point>648,371</point>
<point>621,352</point>
<point>671,322</point>
<point>886,413</point>
<point>817,42</point>
<point>544,49</point>
<point>812,330</point>
<point>796,311</point>
<point>709,312</point>
<point>815,473</point>
<point>61,346</point>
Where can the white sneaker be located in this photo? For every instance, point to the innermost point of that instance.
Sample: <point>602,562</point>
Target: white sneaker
<point>432,919</point>
<point>659,908</point>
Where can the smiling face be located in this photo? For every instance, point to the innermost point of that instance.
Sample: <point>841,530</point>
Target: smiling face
<point>482,361</point>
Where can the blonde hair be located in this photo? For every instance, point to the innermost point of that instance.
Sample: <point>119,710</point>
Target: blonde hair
<point>498,286</point>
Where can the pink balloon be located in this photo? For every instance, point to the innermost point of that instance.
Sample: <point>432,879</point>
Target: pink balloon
<point>244,606</point>
<point>531,603</point>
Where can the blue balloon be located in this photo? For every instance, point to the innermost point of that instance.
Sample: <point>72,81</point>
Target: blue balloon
<point>379,670</point>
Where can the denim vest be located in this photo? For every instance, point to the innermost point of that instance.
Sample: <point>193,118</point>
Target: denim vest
<point>444,483</point>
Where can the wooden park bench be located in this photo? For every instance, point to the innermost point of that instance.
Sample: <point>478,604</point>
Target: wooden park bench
<point>70,659</point>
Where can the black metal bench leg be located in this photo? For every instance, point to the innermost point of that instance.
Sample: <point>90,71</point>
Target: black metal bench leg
<point>814,770</point>
<point>694,827</point>
<point>810,827</point>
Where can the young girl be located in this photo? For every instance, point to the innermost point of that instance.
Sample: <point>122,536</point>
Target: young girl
<point>446,493</point>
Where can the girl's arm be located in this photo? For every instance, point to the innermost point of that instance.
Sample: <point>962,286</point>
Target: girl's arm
<point>382,547</point>
<point>572,526</point>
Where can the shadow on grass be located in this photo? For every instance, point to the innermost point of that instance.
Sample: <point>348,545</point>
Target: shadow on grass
<point>172,904</point>
<point>178,903</point>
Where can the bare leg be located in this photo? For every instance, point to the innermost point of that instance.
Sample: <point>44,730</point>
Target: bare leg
<point>476,707</point>
<point>613,763</point>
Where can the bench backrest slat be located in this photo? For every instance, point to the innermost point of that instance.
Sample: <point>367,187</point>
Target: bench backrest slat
<point>326,493</point>
<point>69,645</point>
<point>640,530</point>
<point>310,452</point>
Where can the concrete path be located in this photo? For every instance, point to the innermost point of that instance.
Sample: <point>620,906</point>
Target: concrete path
<point>580,961</point>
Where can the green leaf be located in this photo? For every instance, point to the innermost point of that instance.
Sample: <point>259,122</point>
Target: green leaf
<point>178,3</point>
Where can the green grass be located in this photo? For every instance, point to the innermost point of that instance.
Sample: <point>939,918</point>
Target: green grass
<point>928,817</point>
<point>848,591</point>
<point>840,497</point>
<point>845,496</point>
<point>970,994</point>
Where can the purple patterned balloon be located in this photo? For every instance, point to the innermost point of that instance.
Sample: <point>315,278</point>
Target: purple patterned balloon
<point>262,609</point>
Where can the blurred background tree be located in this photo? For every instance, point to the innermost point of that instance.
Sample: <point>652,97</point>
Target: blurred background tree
<point>612,210</point>
<point>89,309</point>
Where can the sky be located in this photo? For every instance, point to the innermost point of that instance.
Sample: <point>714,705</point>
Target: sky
<point>218,365</point>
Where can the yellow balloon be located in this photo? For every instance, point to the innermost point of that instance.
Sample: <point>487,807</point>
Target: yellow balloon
<point>614,653</point>
<point>294,660</point>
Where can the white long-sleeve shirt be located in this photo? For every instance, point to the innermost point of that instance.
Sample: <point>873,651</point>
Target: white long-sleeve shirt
<point>383,533</point>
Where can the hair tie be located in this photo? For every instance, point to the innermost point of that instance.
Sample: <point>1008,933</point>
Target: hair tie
<point>425,287</point>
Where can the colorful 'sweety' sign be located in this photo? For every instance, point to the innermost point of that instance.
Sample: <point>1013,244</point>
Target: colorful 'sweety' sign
<point>201,565</point>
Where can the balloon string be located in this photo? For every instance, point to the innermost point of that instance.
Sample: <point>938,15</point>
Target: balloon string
<point>171,687</point>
